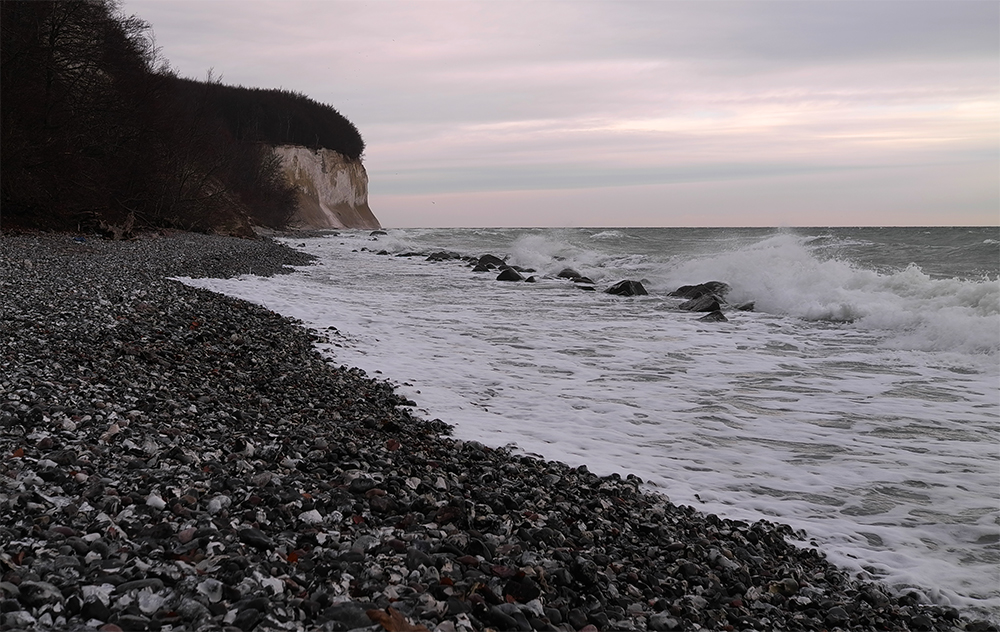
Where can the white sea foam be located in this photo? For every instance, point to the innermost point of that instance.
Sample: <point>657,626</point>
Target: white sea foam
<point>880,446</point>
<point>914,310</point>
<point>607,234</point>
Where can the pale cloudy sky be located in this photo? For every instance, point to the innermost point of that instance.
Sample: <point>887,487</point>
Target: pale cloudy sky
<point>651,113</point>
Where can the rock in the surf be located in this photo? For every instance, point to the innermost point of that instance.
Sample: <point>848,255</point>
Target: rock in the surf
<point>718,288</point>
<point>706,303</point>
<point>490,261</point>
<point>574,276</point>
<point>443,256</point>
<point>509,274</point>
<point>714,317</point>
<point>627,288</point>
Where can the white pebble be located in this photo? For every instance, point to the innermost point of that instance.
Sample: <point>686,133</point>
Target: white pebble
<point>311,517</point>
<point>218,503</point>
<point>150,602</point>
<point>212,589</point>
<point>155,501</point>
<point>276,585</point>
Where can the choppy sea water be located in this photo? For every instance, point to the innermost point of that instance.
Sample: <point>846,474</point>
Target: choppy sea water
<point>860,402</point>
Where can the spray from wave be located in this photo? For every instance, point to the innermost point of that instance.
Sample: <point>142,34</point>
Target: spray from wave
<point>784,276</point>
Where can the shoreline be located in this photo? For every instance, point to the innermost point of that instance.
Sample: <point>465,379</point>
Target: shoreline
<point>157,475</point>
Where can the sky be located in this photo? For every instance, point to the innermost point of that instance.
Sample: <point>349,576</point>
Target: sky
<point>615,113</point>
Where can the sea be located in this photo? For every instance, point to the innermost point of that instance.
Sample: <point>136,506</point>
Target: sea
<point>859,402</point>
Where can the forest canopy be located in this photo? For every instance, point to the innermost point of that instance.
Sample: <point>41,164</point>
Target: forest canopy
<point>96,131</point>
<point>278,117</point>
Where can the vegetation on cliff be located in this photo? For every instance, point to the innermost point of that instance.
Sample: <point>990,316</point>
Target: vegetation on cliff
<point>277,117</point>
<point>96,131</point>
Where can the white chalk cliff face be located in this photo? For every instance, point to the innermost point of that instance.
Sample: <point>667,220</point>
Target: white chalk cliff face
<point>333,191</point>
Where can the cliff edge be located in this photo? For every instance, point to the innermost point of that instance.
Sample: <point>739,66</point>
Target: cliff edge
<point>332,190</point>
<point>128,145</point>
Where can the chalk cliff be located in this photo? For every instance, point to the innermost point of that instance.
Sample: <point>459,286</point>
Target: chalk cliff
<point>332,190</point>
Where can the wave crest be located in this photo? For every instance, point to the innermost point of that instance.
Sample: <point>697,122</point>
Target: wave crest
<point>784,276</point>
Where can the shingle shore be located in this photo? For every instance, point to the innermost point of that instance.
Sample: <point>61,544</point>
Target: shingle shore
<point>174,459</point>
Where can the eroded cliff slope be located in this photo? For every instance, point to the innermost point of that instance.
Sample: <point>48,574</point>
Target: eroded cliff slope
<point>332,189</point>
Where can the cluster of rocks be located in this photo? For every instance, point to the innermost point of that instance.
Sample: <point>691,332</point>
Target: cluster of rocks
<point>706,297</point>
<point>174,459</point>
<point>484,263</point>
<point>495,264</point>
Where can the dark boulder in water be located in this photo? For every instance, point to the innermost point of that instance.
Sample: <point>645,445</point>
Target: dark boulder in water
<point>718,288</point>
<point>704,303</point>
<point>490,261</point>
<point>443,256</point>
<point>714,317</point>
<point>745,307</point>
<point>573,275</point>
<point>627,288</point>
<point>510,274</point>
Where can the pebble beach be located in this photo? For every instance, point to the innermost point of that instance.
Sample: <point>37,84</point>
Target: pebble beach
<point>175,459</point>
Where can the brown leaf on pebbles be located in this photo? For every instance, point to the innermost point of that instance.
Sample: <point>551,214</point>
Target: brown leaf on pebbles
<point>112,430</point>
<point>469,560</point>
<point>392,620</point>
<point>503,572</point>
<point>449,514</point>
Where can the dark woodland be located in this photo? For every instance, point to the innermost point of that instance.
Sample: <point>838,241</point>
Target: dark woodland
<point>97,132</point>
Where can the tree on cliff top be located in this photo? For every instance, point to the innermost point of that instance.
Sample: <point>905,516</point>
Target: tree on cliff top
<point>95,131</point>
<point>279,117</point>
